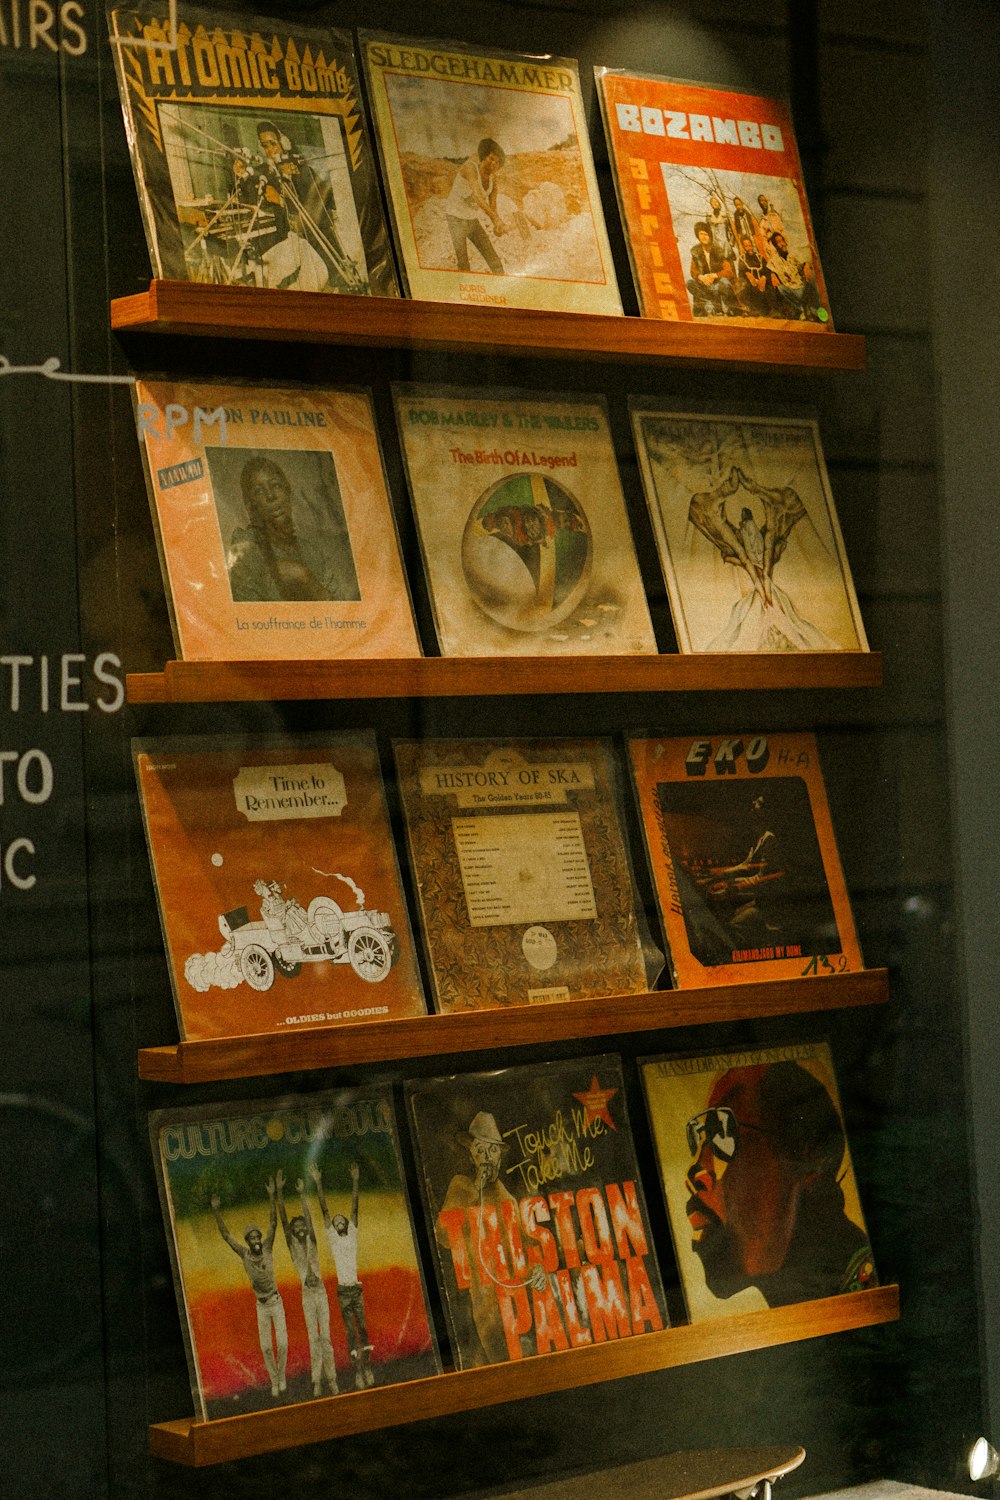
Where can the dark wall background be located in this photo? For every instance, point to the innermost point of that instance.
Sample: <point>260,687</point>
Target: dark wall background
<point>93,1343</point>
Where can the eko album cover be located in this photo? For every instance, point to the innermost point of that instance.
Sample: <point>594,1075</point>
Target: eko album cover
<point>535,1209</point>
<point>747,532</point>
<point>522,523</point>
<point>277,882</point>
<point>744,860</point>
<point>489,176</point>
<point>522,872</point>
<point>250,151</point>
<point>713,203</point>
<point>757,1176</point>
<point>292,1247</point>
<point>274,526</point>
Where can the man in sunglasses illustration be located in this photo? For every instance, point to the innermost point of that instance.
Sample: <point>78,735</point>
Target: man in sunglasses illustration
<point>766,1207</point>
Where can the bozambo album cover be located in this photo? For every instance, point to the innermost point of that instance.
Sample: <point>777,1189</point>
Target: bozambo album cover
<point>292,1248</point>
<point>522,523</point>
<point>277,882</point>
<point>713,203</point>
<point>744,859</point>
<point>535,1209</point>
<point>747,532</point>
<point>522,871</point>
<point>250,151</point>
<point>275,529</point>
<point>757,1177</point>
<point>490,180</point>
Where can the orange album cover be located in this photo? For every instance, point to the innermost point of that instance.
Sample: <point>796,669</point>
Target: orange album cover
<point>713,203</point>
<point>275,529</point>
<point>744,860</point>
<point>277,881</point>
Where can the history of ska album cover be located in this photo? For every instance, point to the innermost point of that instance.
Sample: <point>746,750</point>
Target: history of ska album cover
<point>491,185</point>
<point>522,871</point>
<point>535,1209</point>
<point>277,882</point>
<point>275,528</point>
<point>757,1176</point>
<point>292,1248</point>
<point>744,860</point>
<point>713,203</point>
<point>522,523</point>
<point>250,152</point>
<point>747,532</point>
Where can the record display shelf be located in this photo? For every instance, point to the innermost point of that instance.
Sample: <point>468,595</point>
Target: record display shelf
<point>205,310</point>
<point>198,1444</point>
<point>487,676</point>
<point>219,1058</point>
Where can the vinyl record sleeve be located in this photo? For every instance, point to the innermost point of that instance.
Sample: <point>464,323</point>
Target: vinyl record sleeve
<point>757,1177</point>
<point>674,147</point>
<point>743,857</point>
<point>522,523</point>
<point>490,180</point>
<point>277,882</point>
<point>522,871</point>
<point>535,1209</point>
<point>250,151</point>
<point>332,1306</point>
<point>747,532</point>
<point>275,530</point>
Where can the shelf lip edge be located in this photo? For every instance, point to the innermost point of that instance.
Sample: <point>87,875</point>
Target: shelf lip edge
<point>195,1443</point>
<point>434,1034</point>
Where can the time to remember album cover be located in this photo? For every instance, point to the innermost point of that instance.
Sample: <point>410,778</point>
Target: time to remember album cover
<point>522,523</point>
<point>250,151</point>
<point>274,526</point>
<point>757,1176</point>
<point>713,203</point>
<point>743,857</point>
<point>277,882</point>
<point>747,532</point>
<point>535,1209</point>
<point>292,1248</point>
<point>490,180</point>
<point>522,871</point>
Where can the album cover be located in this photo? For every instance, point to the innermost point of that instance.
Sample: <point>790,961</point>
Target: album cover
<point>743,857</point>
<point>489,176</point>
<point>250,151</point>
<point>713,203</point>
<point>535,1209</point>
<point>757,1176</point>
<point>522,871</point>
<point>277,882</point>
<point>747,532</point>
<point>274,526</point>
<point>522,523</point>
<point>292,1248</point>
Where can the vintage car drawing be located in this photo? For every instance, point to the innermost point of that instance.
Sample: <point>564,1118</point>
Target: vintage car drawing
<point>288,936</point>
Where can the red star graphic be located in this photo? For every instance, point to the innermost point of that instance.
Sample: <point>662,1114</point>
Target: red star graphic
<point>595,1103</point>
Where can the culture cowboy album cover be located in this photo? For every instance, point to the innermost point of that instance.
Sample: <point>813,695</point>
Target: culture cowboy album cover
<point>744,859</point>
<point>250,151</point>
<point>274,525</point>
<point>491,186</point>
<point>277,883</point>
<point>292,1248</point>
<point>535,1209</point>
<point>713,203</point>
<point>757,1176</point>
<point>522,523</point>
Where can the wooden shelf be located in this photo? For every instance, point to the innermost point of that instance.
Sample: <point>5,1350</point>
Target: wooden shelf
<point>200,309</point>
<point>490,676</point>
<point>516,1026</point>
<point>201,1443</point>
